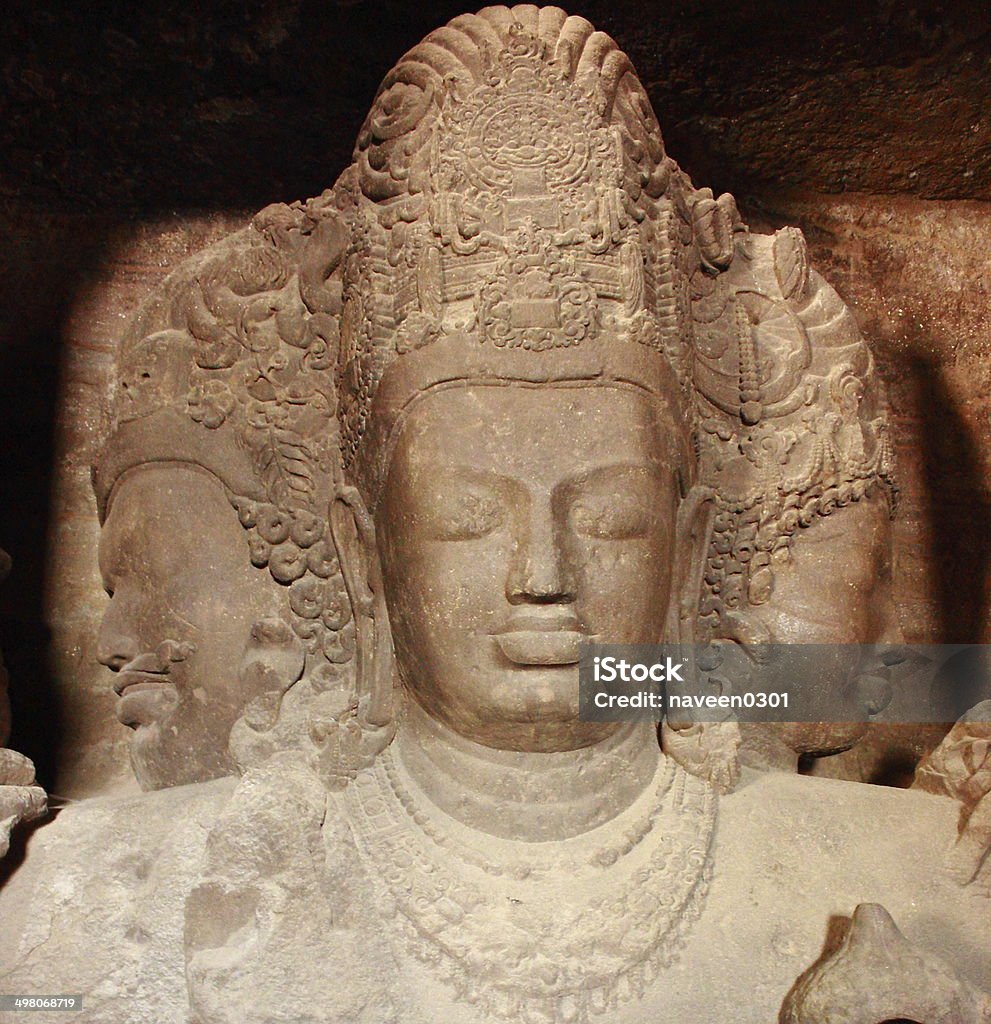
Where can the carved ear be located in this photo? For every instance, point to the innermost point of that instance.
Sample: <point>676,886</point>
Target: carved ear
<point>353,531</point>
<point>706,749</point>
<point>693,530</point>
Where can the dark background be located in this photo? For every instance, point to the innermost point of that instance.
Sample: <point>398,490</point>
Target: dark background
<point>116,113</point>
<point>142,106</point>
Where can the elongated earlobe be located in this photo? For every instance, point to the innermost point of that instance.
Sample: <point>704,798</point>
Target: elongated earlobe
<point>706,749</point>
<point>353,531</point>
<point>693,530</point>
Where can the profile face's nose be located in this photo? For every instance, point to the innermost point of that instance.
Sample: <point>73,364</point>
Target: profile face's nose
<point>538,572</point>
<point>116,643</point>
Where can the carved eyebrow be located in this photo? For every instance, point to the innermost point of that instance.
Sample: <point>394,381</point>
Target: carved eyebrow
<point>476,475</point>
<point>654,466</point>
<point>502,487</point>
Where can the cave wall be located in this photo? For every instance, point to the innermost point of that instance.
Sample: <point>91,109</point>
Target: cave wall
<point>139,133</point>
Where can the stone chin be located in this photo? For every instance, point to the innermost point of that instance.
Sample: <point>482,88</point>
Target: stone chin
<point>176,742</point>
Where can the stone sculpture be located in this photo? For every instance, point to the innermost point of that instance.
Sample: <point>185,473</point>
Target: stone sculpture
<point>905,983</point>
<point>960,768</point>
<point>229,370</point>
<point>793,429</point>
<point>21,798</point>
<point>506,289</point>
<point>519,273</point>
<point>213,489</point>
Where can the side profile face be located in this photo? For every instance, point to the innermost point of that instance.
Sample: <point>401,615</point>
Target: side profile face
<point>837,590</point>
<point>184,598</point>
<point>518,522</point>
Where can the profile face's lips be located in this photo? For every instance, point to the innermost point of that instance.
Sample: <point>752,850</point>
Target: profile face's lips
<point>145,691</point>
<point>144,702</point>
<point>131,681</point>
<point>534,638</point>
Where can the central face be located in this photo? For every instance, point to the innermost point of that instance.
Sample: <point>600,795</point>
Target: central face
<point>518,522</point>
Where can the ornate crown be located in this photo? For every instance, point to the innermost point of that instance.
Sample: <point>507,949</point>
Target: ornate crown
<point>511,185</point>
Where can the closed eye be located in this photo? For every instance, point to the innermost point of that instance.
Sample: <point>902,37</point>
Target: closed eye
<point>468,516</point>
<point>610,517</point>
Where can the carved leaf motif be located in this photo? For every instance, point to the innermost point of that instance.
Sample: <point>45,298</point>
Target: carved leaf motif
<point>285,467</point>
<point>218,347</point>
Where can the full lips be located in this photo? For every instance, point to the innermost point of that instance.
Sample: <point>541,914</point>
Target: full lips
<point>542,637</point>
<point>541,647</point>
<point>144,697</point>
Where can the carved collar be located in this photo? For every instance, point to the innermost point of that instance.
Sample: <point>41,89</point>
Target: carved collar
<point>542,931</point>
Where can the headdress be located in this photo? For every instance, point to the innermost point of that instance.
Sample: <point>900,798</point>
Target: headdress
<point>514,216</point>
<point>792,418</point>
<point>510,214</point>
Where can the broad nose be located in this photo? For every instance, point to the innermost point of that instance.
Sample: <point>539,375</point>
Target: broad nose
<point>116,644</point>
<point>539,571</point>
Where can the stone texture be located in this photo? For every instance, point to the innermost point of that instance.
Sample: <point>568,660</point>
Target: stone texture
<point>21,800</point>
<point>157,108</point>
<point>931,361</point>
<point>93,755</point>
<point>197,310</point>
<point>960,768</point>
<point>917,277</point>
<point>114,934</point>
<point>55,385</point>
<point>429,826</point>
<point>139,135</point>
<point>904,981</point>
<point>829,846</point>
<point>213,489</point>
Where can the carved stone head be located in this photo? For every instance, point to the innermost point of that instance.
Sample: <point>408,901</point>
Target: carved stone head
<point>794,441</point>
<point>522,248</point>
<point>516,415</point>
<point>212,491</point>
<point>521,359</point>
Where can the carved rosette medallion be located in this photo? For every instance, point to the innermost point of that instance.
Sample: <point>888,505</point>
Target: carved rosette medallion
<point>526,139</point>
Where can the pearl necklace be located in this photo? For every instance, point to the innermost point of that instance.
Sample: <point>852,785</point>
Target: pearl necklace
<point>540,931</point>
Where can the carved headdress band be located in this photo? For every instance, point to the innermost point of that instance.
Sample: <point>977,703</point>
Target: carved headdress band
<point>513,207</point>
